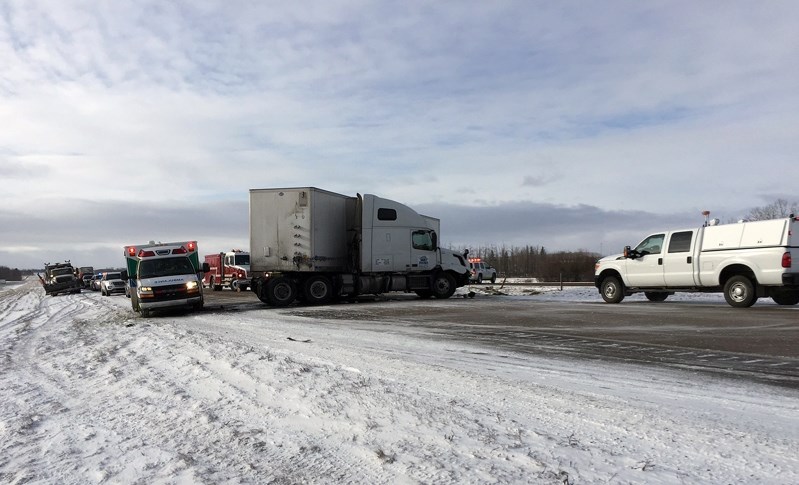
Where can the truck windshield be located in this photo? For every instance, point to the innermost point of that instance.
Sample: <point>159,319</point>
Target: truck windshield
<point>153,268</point>
<point>242,259</point>
<point>61,271</point>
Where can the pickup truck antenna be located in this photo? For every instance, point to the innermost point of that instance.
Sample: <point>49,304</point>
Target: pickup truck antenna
<point>707,217</point>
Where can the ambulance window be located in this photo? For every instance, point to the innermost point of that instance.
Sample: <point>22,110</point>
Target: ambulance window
<point>680,242</point>
<point>386,215</point>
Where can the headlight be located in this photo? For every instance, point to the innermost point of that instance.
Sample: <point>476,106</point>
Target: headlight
<point>145,291</point>
<point>191,285</point>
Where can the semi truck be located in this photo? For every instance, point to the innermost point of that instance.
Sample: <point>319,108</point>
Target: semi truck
<point>230,269</point>
<point>316,246</point>
<point>59,278</point>
<point>745,261</point>
<point>164,275</point>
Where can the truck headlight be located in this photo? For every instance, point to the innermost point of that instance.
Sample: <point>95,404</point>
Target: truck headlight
<point>192,286</point>
<point>145,291</point>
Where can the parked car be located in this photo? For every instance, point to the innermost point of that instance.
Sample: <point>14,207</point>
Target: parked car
<point>112,283</point>
<point>94,283</point>
<point>86,280</point>
<point>481,271</point>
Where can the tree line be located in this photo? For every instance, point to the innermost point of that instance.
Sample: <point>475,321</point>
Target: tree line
<point>536,262</point>
<point>9,274</point>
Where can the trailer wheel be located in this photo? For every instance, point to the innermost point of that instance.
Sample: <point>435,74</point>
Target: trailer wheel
<point>612,290</point>
<point>784,296</point>
<point>443,285</point>
<point>656,295</point>
<point>281,291</point>
<point>318,290</point>
<point>740,292</point>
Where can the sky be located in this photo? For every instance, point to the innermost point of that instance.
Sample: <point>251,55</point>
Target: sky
<point>558,124</point>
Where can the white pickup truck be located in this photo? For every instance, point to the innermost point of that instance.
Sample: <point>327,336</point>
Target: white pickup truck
<point>745,261</point>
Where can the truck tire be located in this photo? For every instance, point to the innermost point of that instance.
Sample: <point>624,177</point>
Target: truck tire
<point>443,286</point>
<point>784,296</point>
<point>656,295</point>
<point>740,292</point>
<point>281,292</point>
<point>480,279</point>
<point>493,278</point>
<point>612,290</point>
<point>318,290</point>
<point>213,285</point>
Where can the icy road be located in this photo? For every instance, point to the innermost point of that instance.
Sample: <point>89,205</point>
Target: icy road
<point>93,394</point>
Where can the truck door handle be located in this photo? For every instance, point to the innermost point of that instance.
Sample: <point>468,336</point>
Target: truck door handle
<point>660,261</point>
<point>689,260</point>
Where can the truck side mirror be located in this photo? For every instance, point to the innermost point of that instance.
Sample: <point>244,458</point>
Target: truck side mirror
<point>627,252</point>
<point>206,268</point>
<point>434,237</point>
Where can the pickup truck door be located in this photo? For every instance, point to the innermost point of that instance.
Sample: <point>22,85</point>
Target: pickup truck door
<point>678,261</point>
<point>647,269</point>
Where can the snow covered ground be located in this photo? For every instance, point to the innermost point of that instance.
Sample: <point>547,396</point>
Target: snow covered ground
<point>93,394</point>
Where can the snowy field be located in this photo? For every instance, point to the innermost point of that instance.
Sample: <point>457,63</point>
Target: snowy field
<point>93,394</point>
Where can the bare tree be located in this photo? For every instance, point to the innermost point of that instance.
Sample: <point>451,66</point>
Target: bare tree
<point>776,210</point>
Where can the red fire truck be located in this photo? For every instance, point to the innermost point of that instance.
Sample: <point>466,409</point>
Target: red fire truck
<point>230,269</point>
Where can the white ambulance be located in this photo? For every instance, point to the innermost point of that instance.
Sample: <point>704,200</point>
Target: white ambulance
<point>164,275</point>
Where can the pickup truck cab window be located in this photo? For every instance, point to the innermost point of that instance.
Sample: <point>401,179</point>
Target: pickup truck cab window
<point>680,242</point>
<point>651,245</point>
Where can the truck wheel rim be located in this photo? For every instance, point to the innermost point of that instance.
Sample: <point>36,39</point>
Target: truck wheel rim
<point>738,292</point>
<point>610,291</point>
<point>318,289</point>
<point>282,291</point>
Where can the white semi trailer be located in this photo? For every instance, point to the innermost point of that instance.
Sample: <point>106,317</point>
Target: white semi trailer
<point>315,246</point>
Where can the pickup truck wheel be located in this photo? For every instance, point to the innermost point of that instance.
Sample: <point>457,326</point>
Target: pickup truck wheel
<point>493,278</point>
<point>740,292</point>
<point>612,290</point>
<point>785,297</point>
<point>656,295</point>
<point>479,279</point>
<point>281,291</point>
<point>443,286</point>
<point>318,290</point>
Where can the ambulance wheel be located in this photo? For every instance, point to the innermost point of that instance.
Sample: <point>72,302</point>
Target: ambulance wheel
<point>740,292</point>
<point>318,290</point>
<point>145,313</point>
<point>612,290</point>
<point>281,292</point>
<point>443,285</point>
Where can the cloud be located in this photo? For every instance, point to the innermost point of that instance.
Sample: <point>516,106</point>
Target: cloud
<point>651,108</point>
